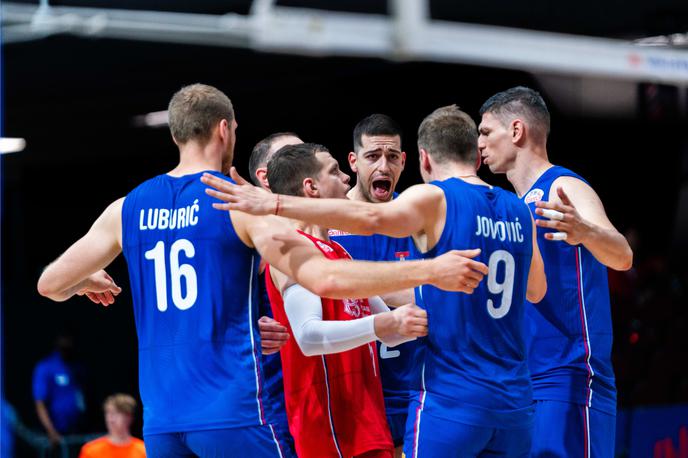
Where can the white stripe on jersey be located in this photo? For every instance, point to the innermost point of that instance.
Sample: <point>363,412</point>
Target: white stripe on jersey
<point>585,322</point>
<point>253,343</point>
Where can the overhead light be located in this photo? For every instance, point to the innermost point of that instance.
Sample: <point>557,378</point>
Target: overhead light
<point>677,40</point>
<point>11,145</point>
<point>152,119</point>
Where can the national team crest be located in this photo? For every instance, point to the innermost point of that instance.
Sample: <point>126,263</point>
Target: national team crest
<point>352,307</point>
<point>534,196</point>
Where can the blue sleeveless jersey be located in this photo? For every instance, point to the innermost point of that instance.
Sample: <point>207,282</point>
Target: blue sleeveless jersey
<point>570,332</point>
<point>473,367</point>
<point>194,288</point>
<point>272,365</point>
<point>396,362</point>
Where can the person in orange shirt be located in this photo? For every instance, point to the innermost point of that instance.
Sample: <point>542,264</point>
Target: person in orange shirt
<point>119,443</point>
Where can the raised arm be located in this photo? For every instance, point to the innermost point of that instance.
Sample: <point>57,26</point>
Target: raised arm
<point>584,221</point>
<point>419,209</point>
<point>281,246</point>
<point>78,270</point>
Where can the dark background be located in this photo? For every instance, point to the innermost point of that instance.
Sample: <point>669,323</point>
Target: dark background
<point>73,99</point>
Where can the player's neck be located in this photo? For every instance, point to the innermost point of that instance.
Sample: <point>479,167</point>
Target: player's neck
<point>463,172</point>
<point>194,159</point>
<point>528,167</point>
<point>356,194</point>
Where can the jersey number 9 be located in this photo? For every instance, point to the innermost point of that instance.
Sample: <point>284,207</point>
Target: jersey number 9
<point>506,288</point>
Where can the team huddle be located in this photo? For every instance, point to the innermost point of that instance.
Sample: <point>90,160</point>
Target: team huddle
<point>300,316</point>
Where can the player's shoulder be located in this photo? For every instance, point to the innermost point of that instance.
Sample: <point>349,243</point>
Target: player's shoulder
<point>432,189</point>
<point>422,197</point>
<point>146,184</point>
<point>574,186</point>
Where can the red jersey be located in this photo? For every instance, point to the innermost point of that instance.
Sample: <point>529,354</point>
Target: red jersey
<point>334,402</point>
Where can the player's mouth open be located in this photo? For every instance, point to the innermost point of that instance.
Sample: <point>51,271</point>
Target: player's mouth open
<point>381,188</point>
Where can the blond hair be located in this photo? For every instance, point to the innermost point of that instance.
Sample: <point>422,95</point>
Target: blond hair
<point>195,110</point>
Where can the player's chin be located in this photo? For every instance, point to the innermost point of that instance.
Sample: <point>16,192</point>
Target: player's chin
<point>495,168</point>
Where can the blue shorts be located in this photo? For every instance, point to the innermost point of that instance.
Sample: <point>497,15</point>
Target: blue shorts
<point>428,436</point>
<point>397,426</point>
<point>564,429</point>
<point>255,441</point>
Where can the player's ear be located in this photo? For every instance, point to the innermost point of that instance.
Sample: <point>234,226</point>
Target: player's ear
<point>518,131</point>
<point>424,160</point>
<point>223,130</point>
<point>310,187</point>
<point>403,159</point>
<point>352,161</point>
<point>262,175</point>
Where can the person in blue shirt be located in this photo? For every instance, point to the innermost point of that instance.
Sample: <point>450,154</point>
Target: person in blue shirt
<point>570,330</point>
<point>378,160</point>
<point>471,387</point>
<point>193,275</point>
<point>58,390</point>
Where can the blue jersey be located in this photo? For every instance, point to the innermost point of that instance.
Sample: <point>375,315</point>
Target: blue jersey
<point>194,288</point>
<point>473,367</point>
<point>395,363</point>
<point>570,332</point>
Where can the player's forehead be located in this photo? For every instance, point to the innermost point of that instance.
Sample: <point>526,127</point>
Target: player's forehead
<point>326,159</point>
<point>488,120</point>
<point>380,142</point>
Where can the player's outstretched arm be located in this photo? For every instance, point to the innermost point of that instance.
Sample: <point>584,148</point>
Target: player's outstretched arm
<point>79,269</point>
<point>579,216</point>
<point>283,248</point>
<point>415,210</point>
<point>537,281</point>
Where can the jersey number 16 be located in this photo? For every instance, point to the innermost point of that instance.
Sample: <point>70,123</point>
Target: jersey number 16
<point>177,272</point>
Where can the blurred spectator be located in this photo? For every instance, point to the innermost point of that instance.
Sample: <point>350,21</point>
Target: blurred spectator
<point>119,443</point>
<point>57,390</point>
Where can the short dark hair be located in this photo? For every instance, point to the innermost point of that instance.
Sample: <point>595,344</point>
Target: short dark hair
<point>519,101</point>
<point>195,110</point>
<point>259,155</point>
<point>375,124</point>
<point>292,164</point>
<point>449,134</point>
